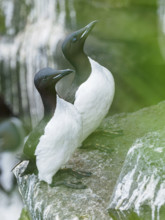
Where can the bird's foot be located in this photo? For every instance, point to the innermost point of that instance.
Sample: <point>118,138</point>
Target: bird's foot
<point>73,185</point>
<point>77,173</point>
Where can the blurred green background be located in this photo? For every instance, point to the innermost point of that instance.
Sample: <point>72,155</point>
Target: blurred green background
<point>128,40</point>
<point>128,44</point>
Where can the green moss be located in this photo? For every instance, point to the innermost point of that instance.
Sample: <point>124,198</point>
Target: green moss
<point>103,154</point>
<point>24,215</point>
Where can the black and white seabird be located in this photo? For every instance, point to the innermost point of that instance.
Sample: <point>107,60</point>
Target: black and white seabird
<point>52,142</point>
<point>72,48</point>
<point>93,87</point>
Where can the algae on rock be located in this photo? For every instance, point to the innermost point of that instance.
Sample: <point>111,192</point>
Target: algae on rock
<point>103,154</point>
<point>24,215</point>
<point>141,184</point>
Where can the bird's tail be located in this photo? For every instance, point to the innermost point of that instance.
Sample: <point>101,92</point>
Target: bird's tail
<point>21,158</point>
<point>16,165</point>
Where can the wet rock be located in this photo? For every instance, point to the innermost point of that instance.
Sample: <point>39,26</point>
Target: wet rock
<point>103,154</point>
<point>141,184</point>
<point>45,202</point>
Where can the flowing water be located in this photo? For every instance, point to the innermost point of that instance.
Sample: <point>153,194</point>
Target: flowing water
<point>29,50</point>
<point>129,40</point>
<point>22,53</point>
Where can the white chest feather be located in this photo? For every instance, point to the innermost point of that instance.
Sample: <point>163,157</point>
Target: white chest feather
<point>61,137</point>
<point>94,97</point>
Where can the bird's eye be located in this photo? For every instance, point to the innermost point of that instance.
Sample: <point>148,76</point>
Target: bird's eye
<point>74,39</point>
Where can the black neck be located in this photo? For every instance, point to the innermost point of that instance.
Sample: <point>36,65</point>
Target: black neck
<point>49,102</point>
<point>82,66</point>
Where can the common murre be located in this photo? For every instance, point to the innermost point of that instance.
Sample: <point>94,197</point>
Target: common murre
<point>93,85</point>
<point>58,134</point>
<point>72,48</point>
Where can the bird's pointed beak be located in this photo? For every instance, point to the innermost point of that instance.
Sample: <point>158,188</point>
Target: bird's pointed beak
<point>62,73</point>
<point>87,29</point>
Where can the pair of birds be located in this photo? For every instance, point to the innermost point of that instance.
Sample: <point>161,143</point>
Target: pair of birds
<point>72,111</point>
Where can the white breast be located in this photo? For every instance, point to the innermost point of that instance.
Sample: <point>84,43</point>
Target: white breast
<point>94,97</point>
<point>61,137</point>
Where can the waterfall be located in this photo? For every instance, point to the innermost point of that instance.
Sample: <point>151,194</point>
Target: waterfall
<point>24,52</point>
<point>32,32</point>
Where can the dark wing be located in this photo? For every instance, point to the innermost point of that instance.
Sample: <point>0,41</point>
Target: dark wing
<point>33,140</point>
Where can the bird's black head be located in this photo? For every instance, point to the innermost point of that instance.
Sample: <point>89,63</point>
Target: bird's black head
<point>46,79</point>
<point>74,43</point>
